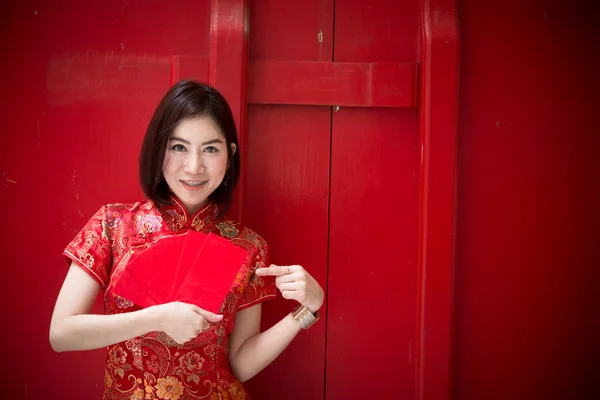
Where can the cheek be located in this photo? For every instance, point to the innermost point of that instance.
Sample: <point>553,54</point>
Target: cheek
<point>217,166</point>
<point>169,165</point>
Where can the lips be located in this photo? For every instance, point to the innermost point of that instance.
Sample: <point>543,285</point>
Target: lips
<point>193,185</point>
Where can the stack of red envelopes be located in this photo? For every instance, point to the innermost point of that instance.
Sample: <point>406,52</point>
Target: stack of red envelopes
<point>193,267</point>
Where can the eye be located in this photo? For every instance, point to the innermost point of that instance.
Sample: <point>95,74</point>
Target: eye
<point>211,149</point>
<point>178,147</point>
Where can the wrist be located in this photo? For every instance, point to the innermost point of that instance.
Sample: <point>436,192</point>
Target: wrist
<point>317,301</point>
<point>152,319</point>
<point>314,307</point>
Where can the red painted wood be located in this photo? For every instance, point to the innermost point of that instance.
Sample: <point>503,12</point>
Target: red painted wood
<point>373,254</point>
<point>287,202</point>
<point>287,191</point>
<point>438,138</point>
<point>376,31</point>
<point>80,83</point>
<point>527,276</point>
<point>326,83</point>
<point>285,31</point>
<point>227,71</point>
<point>189,67</point>
<point>372,294</point>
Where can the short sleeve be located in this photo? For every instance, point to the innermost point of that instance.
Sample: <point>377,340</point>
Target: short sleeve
<point>259,288</point>
<point>91,248</point>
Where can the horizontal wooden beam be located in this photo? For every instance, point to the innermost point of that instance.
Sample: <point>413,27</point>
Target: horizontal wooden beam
<point>382,84</point>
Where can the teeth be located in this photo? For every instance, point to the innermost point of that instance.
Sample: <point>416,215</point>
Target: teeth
<point>193,183</point>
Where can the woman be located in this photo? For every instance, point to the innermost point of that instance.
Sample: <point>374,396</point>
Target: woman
<point>189,166</point>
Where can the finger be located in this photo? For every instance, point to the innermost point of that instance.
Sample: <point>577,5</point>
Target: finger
<point>207,315</point>
<point>290,294</point>
<point>293,286</point>
<point>210,317</point>
<point>287,278</point>
<point>272,271</point>
<point>290,269</point>
<point>196,309</point>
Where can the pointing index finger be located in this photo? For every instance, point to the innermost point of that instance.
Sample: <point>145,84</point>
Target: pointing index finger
<point>272,271</point>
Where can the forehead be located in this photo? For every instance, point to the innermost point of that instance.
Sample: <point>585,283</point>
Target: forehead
<point>198,129</point>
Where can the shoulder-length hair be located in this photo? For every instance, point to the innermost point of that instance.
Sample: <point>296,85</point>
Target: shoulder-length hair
<point>187,99</point>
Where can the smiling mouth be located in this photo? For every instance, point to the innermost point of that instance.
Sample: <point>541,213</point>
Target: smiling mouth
<point>193,184</point>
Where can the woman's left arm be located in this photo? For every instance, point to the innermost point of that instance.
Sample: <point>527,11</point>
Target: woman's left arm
<point>250,351</point>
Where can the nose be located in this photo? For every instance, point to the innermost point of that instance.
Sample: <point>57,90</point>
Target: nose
<point>194,165</point>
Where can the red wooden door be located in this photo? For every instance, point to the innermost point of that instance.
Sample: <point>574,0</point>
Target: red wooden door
<point>332,184</point>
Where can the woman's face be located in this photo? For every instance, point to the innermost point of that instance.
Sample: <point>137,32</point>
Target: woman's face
<point>195,161</point>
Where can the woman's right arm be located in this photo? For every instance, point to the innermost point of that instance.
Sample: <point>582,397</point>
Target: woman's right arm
<point>73,328</point>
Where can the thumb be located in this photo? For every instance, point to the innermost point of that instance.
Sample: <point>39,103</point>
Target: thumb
<point>207,315</point>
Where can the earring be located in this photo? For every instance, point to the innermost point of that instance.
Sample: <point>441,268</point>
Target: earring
<point>225,180</point>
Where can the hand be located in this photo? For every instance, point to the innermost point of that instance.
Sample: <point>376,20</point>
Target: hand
<point>184,322</point>
<point>296,284</point>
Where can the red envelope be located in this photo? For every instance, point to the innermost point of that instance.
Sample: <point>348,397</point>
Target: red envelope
<point>191,251</point>
<point>131,289</point>
<point>212,273</point>
<point>152,268</point>
<point>193,267</point>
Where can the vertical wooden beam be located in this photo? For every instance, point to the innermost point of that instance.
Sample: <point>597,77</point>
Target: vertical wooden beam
<point>438,133</point>
<point>227,71</point>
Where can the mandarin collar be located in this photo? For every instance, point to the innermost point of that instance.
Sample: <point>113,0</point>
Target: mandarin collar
<point>178,218</point>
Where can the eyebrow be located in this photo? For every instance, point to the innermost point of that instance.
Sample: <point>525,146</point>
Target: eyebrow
<point>218,140</point>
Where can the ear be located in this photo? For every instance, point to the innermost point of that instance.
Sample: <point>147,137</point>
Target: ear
<point>233,149</point>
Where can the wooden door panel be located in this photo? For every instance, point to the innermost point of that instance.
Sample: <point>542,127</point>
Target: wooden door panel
<point>286,202</point>
<point>287,30</point>
<point>372,293</point>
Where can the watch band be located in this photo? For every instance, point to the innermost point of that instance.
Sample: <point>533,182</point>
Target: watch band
<point>304,316</point>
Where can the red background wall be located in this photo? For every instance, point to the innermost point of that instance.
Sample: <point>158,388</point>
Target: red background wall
<point>525,304</point>
<point>526,270</point>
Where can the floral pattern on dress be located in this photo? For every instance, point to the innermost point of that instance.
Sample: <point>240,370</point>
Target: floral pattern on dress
<point>153,366</point>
